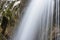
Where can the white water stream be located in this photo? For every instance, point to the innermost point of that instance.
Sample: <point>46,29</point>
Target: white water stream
<point>36,21</point>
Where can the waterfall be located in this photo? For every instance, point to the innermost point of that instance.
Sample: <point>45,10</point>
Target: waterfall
<point>36,21</point>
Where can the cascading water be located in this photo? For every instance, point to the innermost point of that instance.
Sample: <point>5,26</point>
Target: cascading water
<point>57,36</point>
<point>36,21</point>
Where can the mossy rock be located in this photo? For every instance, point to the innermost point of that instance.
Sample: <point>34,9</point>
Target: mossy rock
<point>2,37</point>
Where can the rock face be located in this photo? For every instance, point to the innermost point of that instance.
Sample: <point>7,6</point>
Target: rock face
<point>2,37</point>
<point>4,24</point>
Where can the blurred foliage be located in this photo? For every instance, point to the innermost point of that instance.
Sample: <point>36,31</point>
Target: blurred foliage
<point>7,10</point>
